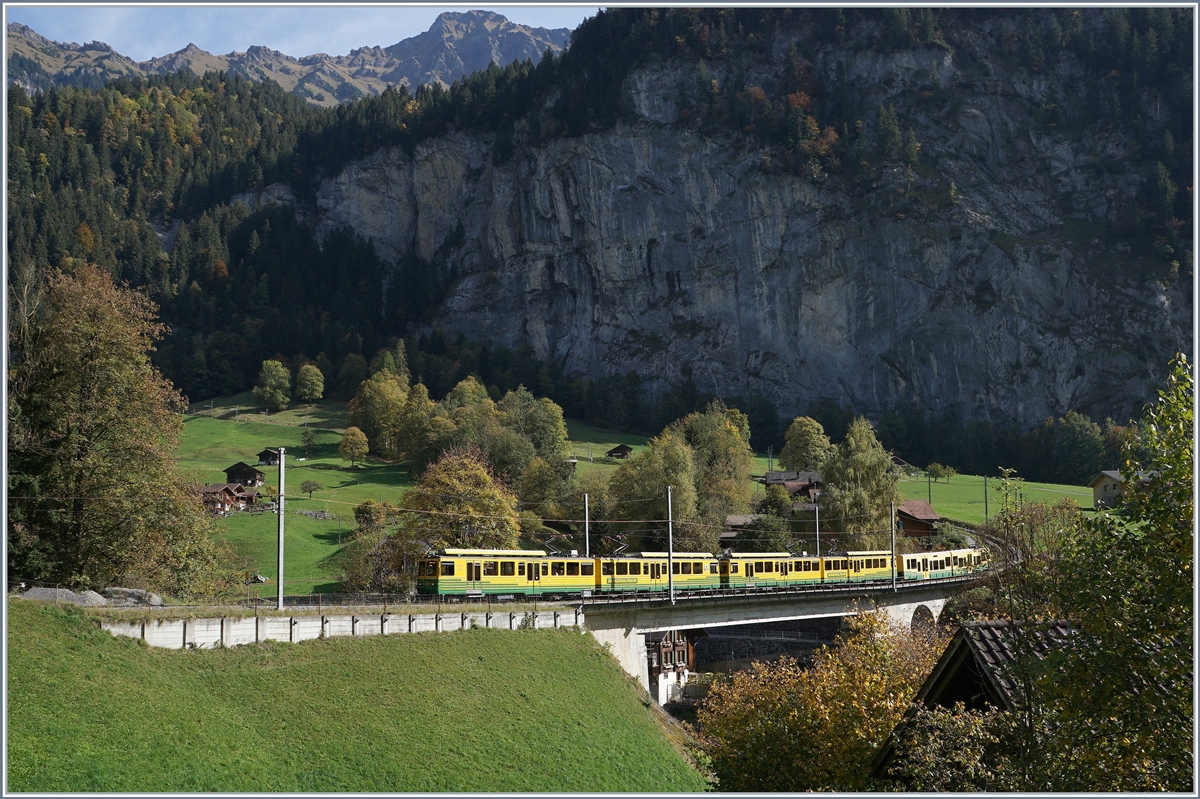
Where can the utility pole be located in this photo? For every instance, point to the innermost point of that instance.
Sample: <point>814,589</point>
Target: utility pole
<point>589,452</point>
<point>279,510</point>
<point>985,508</point>
<point>929,486</point>
<point>235,412</point>
<point>768,459</point>
<point>587,545</point>
<point>670,549</point>
<point>893,558</point>
<point>817,508</point>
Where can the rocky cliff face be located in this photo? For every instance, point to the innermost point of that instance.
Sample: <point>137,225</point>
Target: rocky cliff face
<point>986,279</point>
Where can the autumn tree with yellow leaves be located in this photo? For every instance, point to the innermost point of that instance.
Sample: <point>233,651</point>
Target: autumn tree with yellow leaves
<point>780,727</point>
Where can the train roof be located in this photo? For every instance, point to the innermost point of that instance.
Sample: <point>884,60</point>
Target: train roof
<point>760,554</point>
<point>867,553</point>
<point>495,553</point>
<point>673,555</point>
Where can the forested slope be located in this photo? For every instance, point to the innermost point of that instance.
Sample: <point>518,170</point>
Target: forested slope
<point>848,157</point>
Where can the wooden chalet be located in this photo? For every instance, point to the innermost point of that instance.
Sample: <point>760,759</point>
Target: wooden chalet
<point>248,497</point>
<point>245,474</point>
<point>976,670</point>
<point>1108,488</point>
<point>801,486</point>
<point>268,457</point>
<point>916,518</point>
<point>221,497</point>
<point>620,451</point>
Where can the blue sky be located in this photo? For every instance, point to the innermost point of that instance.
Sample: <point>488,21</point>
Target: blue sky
<point>144,32</point>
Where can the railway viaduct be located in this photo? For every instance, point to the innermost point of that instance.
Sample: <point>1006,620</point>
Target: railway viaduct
<point>623,624</point>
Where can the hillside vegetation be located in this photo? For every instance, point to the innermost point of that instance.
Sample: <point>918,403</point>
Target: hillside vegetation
<point>471,711</point>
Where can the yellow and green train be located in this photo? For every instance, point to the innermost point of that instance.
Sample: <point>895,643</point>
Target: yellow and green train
<point>533,572</point>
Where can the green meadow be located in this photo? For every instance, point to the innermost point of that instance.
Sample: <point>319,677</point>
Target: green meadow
<point>209,446</point>
<point>469,711</point>
<point>962,498</point>
<point>214,439</point>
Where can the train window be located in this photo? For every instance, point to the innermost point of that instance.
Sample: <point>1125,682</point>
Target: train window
<point>572,569</point>
<point>491,568</point>
<point>448,569</point>
<point>733,568</point>
<point>587,569</point>
<point>635,568</point>
<point>686,567</point>
<point>558,568</point>
<point>724,567</point>
<point>606,567</point>
<point>622,569</point>
<point>545,567</point>
<point>697,568</point>
<point>712,568</point>
<point>421,569</point>
<point>507,568</point>
<point>521,569</point>
<point>675,568</point>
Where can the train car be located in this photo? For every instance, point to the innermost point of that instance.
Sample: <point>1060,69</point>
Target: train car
<point>690,570</point>
<point>755,569</point>
<point>467,572</point>
<point>644,571</point>
<point>835,567</point>
<point>934,565</point>
<point>868,564</point>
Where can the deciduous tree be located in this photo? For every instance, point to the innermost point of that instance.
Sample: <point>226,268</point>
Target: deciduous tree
<point>274,388</point>
<point>779,727</point>
<point>460,502</point>
<point>309,486</point>
<point>860,486</point>
<point>354,445</point>
<point>310,384</point>
<point>95,498</point>
<point>377,408</point>
<point>805,446</point>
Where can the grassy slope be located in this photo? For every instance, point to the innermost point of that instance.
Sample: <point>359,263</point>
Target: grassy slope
<point>469,711</point>
<point>209,446</point>
<point>961,499</point>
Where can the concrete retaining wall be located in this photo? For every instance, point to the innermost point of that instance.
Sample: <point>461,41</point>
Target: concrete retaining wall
<point>209,633</point>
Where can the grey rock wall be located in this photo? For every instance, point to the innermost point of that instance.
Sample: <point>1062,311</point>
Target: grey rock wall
<point>998,291</point>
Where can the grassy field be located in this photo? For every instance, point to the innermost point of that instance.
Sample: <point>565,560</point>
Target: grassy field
<point>209,446</point>
<point>326,413</point>
<point>962,498</point>
<point>211,443</point>
<point>471,711</point>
